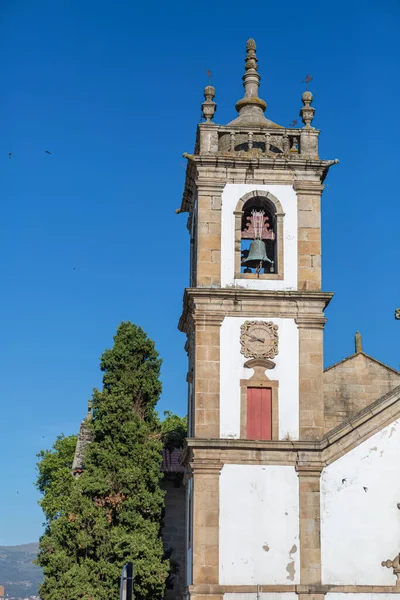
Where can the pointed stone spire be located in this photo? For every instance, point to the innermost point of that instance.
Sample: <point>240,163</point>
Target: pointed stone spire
<point>85,437</point>
<point>251,108</point>
<point>358,342</point>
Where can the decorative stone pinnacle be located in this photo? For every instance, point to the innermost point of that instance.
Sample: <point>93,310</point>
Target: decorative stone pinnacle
<point>395,565</point>
<point>251,105</point>
<point>358,342</point>
<point>251,58</point>
<point>307,111</point>
<point>209,107</point>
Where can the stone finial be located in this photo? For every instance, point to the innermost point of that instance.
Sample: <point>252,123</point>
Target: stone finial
<point>307,111</point>
<point>209,107</point>
<point>358,342</point>
<point>251,108</point>
<point>395,565</point>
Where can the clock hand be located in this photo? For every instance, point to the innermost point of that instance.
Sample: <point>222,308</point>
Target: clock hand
<point>262,340</point>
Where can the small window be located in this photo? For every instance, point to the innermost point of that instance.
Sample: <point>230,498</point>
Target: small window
<point>259,414</point>
<point>258,237</point>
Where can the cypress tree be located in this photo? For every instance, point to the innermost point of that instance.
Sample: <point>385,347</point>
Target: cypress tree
<point>112,513</point>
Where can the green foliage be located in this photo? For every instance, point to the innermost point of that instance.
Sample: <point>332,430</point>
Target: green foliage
<point>173,430</point>
<point>54,480</point>
<point>111,514</point>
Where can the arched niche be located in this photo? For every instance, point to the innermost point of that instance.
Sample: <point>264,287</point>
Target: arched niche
<point>260,200</point>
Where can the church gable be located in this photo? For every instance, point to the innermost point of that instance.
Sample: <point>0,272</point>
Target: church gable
<point>353,384</point>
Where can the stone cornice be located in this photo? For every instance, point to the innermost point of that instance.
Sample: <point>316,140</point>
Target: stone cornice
<point>213,304</point>
<point>248,293</point>
<point>280,162</point>
<point>309,457</point>
<point>306,322</point>
<point>215,589</point>
<point>308,187</point>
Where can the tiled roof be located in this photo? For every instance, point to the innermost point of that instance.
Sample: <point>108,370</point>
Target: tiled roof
<point>172,460</point>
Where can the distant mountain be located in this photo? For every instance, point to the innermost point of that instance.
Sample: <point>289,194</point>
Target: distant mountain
<point>18,574</point>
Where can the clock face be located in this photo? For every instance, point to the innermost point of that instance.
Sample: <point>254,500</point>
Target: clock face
<point>259,339</point>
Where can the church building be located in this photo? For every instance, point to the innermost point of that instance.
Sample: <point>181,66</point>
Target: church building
<point>291,472</point>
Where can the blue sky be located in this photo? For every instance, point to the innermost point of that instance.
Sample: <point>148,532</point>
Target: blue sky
<point>89,233</point>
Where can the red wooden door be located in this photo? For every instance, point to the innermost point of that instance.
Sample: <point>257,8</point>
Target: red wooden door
<point>259,414</point>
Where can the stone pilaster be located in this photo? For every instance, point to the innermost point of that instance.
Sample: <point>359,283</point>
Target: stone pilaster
<point>311,386</point>
<point>310,522</point>
<point>205,521</point>
<point>309,234</point>
<point>207,375</point>
<point>209,234</point>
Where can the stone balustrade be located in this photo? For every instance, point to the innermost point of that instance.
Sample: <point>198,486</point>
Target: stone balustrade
<point>257,141</point>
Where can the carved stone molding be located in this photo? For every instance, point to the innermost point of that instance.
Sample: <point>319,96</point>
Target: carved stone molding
<point>208,467</point>
<point>308,187</point>
<point>395,565</point>
<point>265,363</point>
<point>311,322</point>
<point>259,339</point>
<point>208,319</point>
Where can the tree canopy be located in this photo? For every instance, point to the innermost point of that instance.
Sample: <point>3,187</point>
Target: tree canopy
<point>112,513</point>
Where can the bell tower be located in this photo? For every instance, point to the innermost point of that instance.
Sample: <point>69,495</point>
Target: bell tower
<point>254,320</point>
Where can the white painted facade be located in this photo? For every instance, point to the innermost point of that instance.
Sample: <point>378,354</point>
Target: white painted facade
<point>360,521</point>
<point>361,596</point>
<point>259,525</point>
<point>286,195</point>
<point>262,596</point>
<point>286,371</point>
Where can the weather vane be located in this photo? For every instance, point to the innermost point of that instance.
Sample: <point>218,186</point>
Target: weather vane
<point>209,76</point>
<point>307,80</point>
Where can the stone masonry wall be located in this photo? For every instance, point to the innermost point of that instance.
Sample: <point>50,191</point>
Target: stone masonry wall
<point>353,384</point>
<point>173,532</point>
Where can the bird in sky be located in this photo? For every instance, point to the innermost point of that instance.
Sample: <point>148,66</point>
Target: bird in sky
<point>293,123</point>
<point>47,152</point>
<point>9,154</point>
<point>344,480</point>
<point>365,489</point>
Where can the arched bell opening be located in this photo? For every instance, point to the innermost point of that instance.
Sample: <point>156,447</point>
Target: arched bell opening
<point>258,247</point>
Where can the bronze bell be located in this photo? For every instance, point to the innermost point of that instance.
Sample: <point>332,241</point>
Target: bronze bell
<point>257,254</point>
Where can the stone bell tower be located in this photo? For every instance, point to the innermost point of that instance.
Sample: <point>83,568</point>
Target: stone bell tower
<point>254,320</point>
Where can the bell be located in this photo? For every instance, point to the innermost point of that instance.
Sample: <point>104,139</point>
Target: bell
<point>257,254</point>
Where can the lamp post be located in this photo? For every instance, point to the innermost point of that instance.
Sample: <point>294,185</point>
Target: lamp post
<point>126,587</point>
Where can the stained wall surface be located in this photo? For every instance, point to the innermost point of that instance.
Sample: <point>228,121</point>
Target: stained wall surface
<point>259,525</point>
<point>360,521</point>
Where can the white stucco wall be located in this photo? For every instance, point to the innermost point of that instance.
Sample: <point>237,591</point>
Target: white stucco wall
<point>288,199</point>
<point>262,596</point>
<point>286,372</point>
<point>360,521</point>
<point>259,525</point>
<point>361,596</point>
